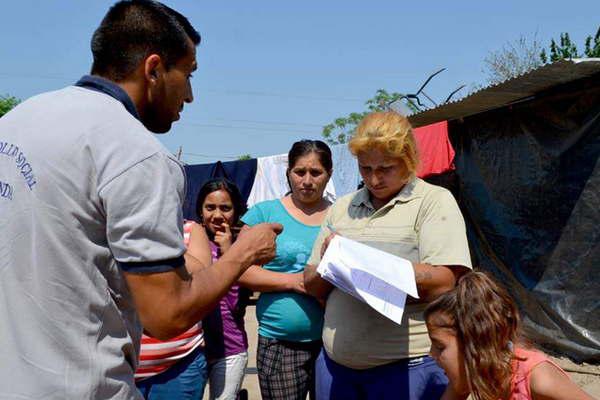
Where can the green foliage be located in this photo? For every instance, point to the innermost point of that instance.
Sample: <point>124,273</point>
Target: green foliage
<point>592,49</point>
<point>517,57</point>
<point>567,49</point>
<point>7,103</point>
<point>244,157</point>
<point>342,129</point>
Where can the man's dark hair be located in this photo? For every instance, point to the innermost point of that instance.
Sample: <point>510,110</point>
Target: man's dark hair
<point>134,29</point>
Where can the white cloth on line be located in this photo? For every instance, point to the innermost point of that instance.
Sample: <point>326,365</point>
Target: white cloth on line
<point>271,183</point>
<point>345,170</point>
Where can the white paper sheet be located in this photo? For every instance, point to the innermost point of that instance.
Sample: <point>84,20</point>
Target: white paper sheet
<point>375,277</point>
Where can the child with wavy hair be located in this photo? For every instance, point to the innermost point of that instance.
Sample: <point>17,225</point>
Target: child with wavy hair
<point>474,331</point>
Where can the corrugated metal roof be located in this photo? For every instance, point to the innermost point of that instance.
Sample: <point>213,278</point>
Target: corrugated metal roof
<point>510,91</point>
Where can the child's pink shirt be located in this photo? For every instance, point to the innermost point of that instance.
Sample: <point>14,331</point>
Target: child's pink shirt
<point>522,372</point>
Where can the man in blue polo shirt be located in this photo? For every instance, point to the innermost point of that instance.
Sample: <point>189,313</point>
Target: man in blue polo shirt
<point>91,237</point>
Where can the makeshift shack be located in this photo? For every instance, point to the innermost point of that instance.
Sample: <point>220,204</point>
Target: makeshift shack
<point>527,179</point>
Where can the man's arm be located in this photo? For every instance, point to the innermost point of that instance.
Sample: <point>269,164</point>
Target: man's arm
<point>170,302</point>
<point>198,248</point>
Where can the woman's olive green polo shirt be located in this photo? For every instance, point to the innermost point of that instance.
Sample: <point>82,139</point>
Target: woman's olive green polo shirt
<point>423,224</point>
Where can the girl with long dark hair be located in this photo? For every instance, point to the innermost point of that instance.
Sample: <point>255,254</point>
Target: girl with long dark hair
<point>219,207</point>
<point>475,338</point>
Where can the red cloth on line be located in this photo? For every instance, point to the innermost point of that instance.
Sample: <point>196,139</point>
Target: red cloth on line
<point>435,150</point>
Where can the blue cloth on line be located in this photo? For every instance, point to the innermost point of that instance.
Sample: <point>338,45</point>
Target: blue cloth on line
<point>240,172</point>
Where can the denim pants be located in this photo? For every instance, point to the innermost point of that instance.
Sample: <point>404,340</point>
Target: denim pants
<point>185,380</point>
<point>411,379</point>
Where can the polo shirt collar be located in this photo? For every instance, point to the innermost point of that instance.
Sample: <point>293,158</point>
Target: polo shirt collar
<point>102,85</point>
<point>409,192</point>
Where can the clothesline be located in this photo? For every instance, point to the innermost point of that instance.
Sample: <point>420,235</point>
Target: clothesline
<point>264,178</point>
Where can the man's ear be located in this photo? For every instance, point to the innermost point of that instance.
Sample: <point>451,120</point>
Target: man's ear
<point>153,68</point>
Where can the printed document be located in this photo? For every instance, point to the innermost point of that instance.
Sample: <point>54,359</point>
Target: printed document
<point>380,279</point>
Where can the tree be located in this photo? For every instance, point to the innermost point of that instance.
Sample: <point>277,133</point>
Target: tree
<point>568,49</point>
<point>342,129</point>
<point>7,103</point>
<point>518,57</point>
<point>593,51</point>
<point>513,59</point>
<point>244,157</point>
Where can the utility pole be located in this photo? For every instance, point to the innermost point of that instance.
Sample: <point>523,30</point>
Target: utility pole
<point>179,153</point>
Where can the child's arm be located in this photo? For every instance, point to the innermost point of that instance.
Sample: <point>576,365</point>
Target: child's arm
<point>550,383</point>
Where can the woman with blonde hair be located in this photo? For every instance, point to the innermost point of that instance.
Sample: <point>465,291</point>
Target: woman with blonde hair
<point>366,355</point>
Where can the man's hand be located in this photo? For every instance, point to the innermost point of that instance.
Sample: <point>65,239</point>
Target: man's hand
<point>170,302</point>
<point>258,242</point>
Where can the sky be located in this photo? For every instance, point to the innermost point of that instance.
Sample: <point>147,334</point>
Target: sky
<point>274,72</point>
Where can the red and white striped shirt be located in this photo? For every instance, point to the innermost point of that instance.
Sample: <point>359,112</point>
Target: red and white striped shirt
<point>157,356</point>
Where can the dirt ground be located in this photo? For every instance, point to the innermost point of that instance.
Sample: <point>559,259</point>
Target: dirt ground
<point>586,376</point>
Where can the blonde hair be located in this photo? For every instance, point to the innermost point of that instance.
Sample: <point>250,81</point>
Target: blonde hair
<point>389,132</point>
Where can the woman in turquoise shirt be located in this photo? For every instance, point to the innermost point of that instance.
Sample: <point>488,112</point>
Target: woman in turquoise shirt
<point>289,320</point>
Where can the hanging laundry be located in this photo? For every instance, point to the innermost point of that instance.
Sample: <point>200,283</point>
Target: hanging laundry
<point>241,172</point>
<point>265,178</point>
<point>435,150</point>
<point>345,170</point>
<point>271,182</point>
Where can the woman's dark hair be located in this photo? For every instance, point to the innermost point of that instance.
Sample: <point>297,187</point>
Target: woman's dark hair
<point>134,29</point>
<point>304,147</point>
<point>213,185</point>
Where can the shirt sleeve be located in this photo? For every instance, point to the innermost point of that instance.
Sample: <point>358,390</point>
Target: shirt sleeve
<point>442,232</point>
<point>315,255</point>
<point>254,216</point>
<point>144,221</point>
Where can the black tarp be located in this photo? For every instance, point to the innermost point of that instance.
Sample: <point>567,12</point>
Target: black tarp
<point>528,182</point>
